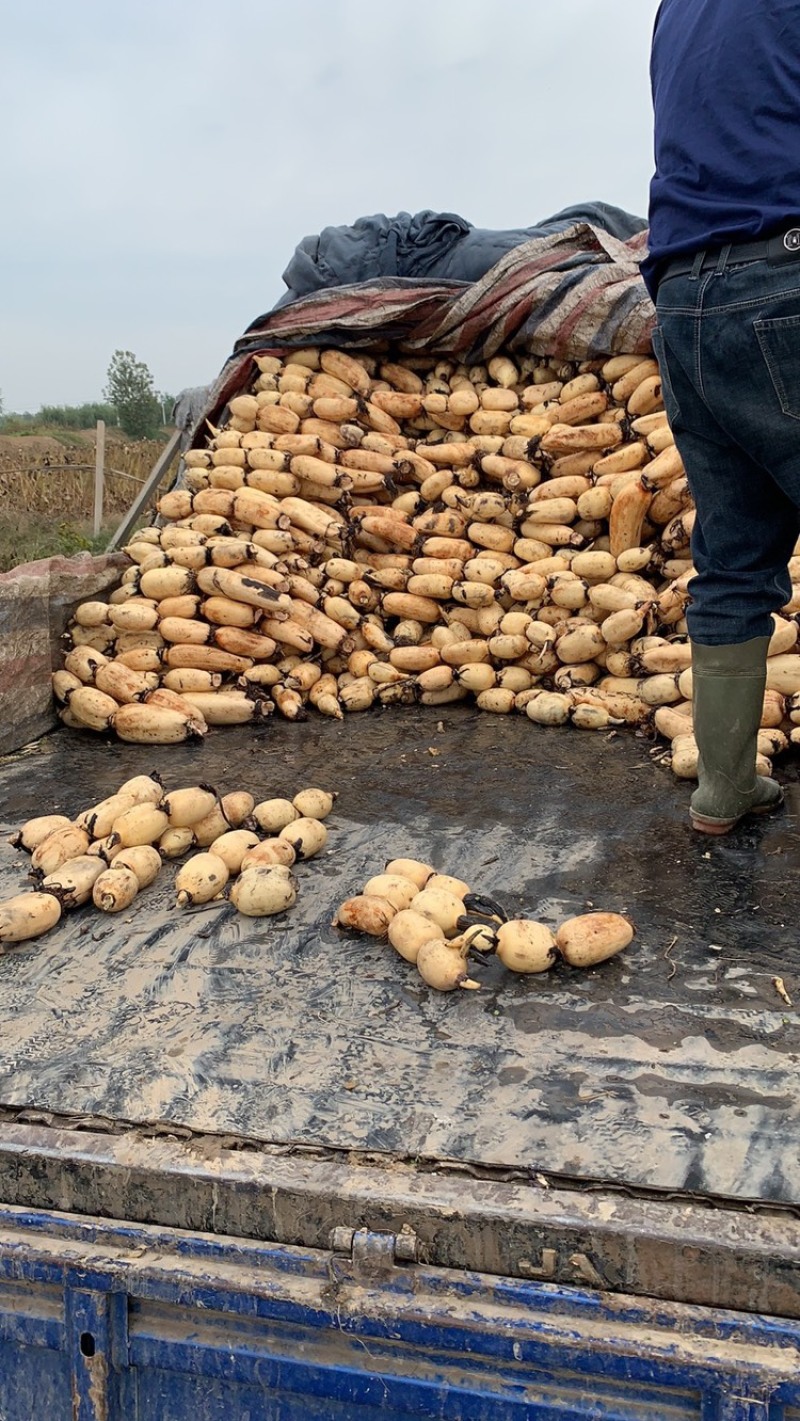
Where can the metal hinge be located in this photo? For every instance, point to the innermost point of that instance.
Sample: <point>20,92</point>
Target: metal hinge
<point>371,1253</point>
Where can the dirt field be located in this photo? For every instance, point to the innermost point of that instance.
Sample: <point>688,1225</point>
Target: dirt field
<point>22,448</point>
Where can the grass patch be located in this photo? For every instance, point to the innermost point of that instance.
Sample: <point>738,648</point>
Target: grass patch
<point>26,539</point>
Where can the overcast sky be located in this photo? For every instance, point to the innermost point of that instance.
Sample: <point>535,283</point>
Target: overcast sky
<point>163,157</point>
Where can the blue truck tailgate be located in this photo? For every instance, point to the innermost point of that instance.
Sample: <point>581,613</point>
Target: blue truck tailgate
<point>101,1321</point>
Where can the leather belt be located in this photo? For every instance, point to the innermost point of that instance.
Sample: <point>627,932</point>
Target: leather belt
<point>783,246</point>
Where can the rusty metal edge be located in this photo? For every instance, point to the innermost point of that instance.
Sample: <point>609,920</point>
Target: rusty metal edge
<point>683,1252</point>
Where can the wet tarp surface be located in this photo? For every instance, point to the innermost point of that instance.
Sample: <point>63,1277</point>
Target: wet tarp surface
<point>673,1067</point>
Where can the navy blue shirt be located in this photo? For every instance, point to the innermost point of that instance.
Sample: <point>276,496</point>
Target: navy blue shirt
<point>726,94</point>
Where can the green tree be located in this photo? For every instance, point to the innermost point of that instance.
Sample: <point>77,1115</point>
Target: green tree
<point>76,416</point>
<point>131,391</point>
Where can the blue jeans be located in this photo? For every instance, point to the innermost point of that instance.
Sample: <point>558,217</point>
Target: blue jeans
<point>728,348</point>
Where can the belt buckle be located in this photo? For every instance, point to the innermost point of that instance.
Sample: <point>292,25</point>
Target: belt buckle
<point>785,247</point>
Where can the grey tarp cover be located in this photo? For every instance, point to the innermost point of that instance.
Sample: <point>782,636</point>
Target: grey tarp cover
<point>575,293</point>
<point>189,409</point>
<point>439,246</point>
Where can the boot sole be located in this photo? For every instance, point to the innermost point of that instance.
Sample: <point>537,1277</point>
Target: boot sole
<point>724,826</point>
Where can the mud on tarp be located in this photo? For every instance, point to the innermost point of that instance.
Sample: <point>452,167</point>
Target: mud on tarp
<point>36,602</point>
<point>574,295</point>
<point>672,1067</point>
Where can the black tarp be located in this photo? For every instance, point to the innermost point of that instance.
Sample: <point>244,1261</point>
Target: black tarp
<point>672,1067</point>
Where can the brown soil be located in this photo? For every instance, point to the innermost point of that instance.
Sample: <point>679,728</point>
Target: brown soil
<point>31,445</point>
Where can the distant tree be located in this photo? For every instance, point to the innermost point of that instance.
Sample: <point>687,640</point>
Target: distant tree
<point>131,391</point>
<point>76,416</point>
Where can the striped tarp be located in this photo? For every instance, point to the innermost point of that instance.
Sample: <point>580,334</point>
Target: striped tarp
<point>575,295</point>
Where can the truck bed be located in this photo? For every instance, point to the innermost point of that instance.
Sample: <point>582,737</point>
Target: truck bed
<point>671,1068</point>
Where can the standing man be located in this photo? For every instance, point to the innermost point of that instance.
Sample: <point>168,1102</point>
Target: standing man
<point>724,270</point>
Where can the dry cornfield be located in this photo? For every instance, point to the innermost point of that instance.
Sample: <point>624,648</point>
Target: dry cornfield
<point>47,495</point>
<point>366,530</point>
<point>58,484</point>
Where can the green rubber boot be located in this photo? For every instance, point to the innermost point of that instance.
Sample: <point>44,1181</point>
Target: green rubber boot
<point>728,694</point>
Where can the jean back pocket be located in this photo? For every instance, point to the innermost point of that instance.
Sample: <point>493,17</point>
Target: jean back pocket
<point>667,389</point>
<point>779,339</point>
